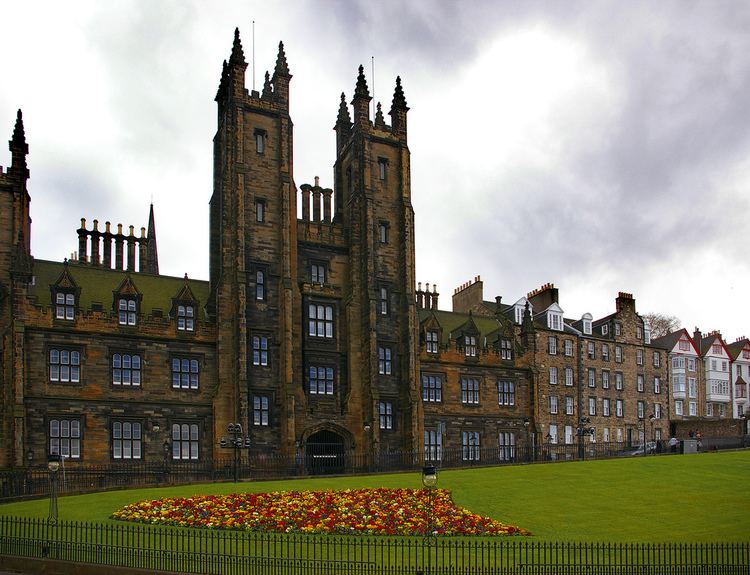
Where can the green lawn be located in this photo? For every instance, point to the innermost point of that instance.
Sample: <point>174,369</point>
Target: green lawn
<point>688,498</point>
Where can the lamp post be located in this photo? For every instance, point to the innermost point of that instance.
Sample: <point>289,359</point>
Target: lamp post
<point>652,419</point>
<point>529,453</point>
<point>237,441</point>
<point>53,465</point>
<point>429,482</point>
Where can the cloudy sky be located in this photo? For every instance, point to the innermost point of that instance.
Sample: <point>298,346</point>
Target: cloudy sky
<point>601,146</point>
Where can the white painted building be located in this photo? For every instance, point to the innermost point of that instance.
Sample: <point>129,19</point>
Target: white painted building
<point>716,363</point>
<point>739,352</point>
<point>684,374</point>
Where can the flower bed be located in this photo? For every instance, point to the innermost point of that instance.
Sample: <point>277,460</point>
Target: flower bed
<point>356,511</point>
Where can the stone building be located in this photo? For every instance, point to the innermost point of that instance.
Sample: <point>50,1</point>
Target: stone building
<point>105,360</point>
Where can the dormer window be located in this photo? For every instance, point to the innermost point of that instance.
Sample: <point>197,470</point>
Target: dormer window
<point>65,305</point>
<point>127,310</point>
<point>431,338</point>
<point>605,329</point>
<point>554,321</point>
<point>586,323</point>
<point>618,329</point>
<point>185,318</point>
<point>470,346</point>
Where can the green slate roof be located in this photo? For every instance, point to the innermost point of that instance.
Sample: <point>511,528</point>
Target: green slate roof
<point>98,285</point>
<point>451,322</point>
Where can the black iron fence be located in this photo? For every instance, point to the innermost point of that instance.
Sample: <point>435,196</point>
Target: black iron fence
<point>240,552</point>
<point>76,477</point>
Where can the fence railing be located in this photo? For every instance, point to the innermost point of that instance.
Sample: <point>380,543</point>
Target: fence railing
<point>76,477</point>
<point>247,553</point>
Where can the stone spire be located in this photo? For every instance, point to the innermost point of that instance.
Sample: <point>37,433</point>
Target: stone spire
<point>267,88</point>
<point>281,77</point>
<point>343,124</point>
<point>153,253</point>
<point>379,120</point>
<point>361,100</point>
<point>18,147</point>
<point>236,68</point>
<point>343,117</point>
<point>238,55</point>
<point>398,111</point>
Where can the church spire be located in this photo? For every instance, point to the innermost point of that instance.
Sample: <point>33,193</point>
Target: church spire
<point>18,147</point>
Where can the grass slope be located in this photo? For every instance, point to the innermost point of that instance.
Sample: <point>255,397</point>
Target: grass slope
<point>689,498</point>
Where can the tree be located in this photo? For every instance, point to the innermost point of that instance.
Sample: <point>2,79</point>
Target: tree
<point>661,324</point>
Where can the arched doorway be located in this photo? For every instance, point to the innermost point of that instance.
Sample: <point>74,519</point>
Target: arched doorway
<point>324,452</point>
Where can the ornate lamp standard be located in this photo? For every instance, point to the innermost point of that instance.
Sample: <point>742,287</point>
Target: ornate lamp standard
<point>429,482</point>
<point>652,419</point>
<point>583,431</point>
<point>53,465</point>
<point>529,449</point>
<point>236,442</point>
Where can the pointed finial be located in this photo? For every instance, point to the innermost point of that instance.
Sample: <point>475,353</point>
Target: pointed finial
<point>361,89</point>
<point>238,56</point>
<point>343,117</point>
<point>267,88</point>
<point>398,95</point>
<point>281,69</point>
<point>379,120</point>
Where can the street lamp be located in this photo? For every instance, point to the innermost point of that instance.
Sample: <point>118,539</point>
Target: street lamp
<point>583,431</point>
<point>236,442</point>
<point>529,454</point>
<point>652,419</point>
<point>429,482</point>
<point>53,465</point>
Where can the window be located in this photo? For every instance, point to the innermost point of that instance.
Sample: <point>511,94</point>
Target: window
<point>261,410</point>
<point>126,369</point>
<point>433,446</point>
<point>683,345</point>
<point>470,445</point>
<point>64,366</point>
<point>639,382</point>
<point>554,321</point>
<point>618,354</point>
<point>691,364</point>
<point>618,408</point>
<point>641,409</point>
<point>553,404</point>
<point>713,365</point>
<point>591,350</point>
<point>185,318</point>
<point>320,319</point>
<point>716,349</point>
<point>678,383</point>
<point>710,409</point>
<point>126,440</point>
<point>692,408</point>
<point>260,141</point>
<point>605,352</point>
<point>657,385</point>
<point>678,407</point>
<point>184,441</point>
<point>384,361</point>
<point>678,362</point>
<point>128,308</point>
<point>552,435</point>
<point>469,390</point>
<point>65,438</point>
<point>657,359</point>
<point>506,393</point>
<point>470,346</point>
<point>432,388</point>
<point>605,408</point>
<point>321,380</point>
<point>260,350</point>
<point>568,347</point>
<point>385,410</point>
<point>618,380</point>
<point>638,332</point>
<point>318,274</point>
<point>507,446</point>
<point>383,232</point>
<point>260,285</point>
<point>568,405</point>
<point>639,357</point>
<point>587,327</point>
<point>657,411</point>
<point>618,329</point>
<point>568,434</point>
<point>432,341</point>
<point>553,376</point>
<point>592,377</point>
<point>605,379</point>
<point>552,345</point>
<point>569,376</point>
<point>605,434</point>
<point>605,329</point>
<point>260,210</point>
<point>724,366</point>
<point>65,305</point>
<point>592,406</point>
<point>745,354</point>
<point>383,301</point>
<point>382,165</point>
<point>184,373</point>
<point>506,349</point>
